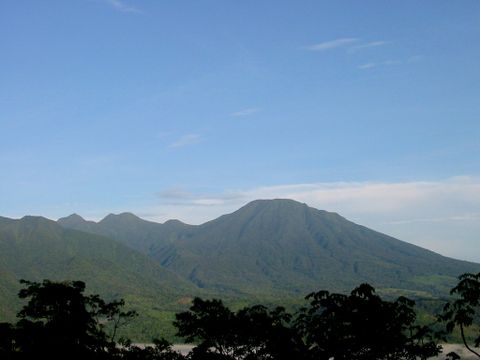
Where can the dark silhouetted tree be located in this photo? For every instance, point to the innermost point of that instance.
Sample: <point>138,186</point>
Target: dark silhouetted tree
<point>251,333</point>
<point>60,322</point>
<point>7,341</point>
<point>462,311</point>
<point>209,322</point>
<point>268,333</point>
<point>363,326</point>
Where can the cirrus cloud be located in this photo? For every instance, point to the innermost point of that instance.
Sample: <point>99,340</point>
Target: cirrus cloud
<point>121,6</point>
<point>245,112</point>
<point>186,140</point>
<point>332,44</point>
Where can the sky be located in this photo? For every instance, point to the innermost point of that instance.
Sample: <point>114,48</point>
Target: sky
<point>191,109</point>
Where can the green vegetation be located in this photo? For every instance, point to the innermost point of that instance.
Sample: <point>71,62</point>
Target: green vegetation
<point>60,321</point>
<point>464,310</point>
<point>356,326</point>
<point>282,248</point>
<point>270,252</point>
<point>35,248</point>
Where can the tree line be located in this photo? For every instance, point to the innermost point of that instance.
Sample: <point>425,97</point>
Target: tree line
<point>59,321</point>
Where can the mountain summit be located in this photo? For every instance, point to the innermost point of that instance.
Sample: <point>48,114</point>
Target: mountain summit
<point>284,247</point>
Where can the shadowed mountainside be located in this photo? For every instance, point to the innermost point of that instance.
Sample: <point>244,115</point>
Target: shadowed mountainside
<point>35,248</point>
<point>282,247</point>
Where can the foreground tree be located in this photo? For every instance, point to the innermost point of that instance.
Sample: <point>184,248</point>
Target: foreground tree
<point>464,310</point>
<point>363,326</point>
<point>7,341</point>
<point>60,322</point>
<point>251,333</point>
<point>358,326</point>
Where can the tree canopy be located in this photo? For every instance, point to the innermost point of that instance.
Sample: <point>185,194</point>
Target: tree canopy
<point>363,326</point>
<point>464,309</point>
<point>356,326</point>
<point>250,333</point>
<point>59,321</point>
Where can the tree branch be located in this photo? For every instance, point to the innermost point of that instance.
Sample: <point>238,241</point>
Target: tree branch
<point>465,342</point>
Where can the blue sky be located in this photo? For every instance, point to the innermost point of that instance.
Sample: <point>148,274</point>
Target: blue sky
<point>190,109</point>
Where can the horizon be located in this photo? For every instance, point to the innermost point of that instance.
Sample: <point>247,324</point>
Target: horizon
<point>191,110</point>
<point>98,220</point>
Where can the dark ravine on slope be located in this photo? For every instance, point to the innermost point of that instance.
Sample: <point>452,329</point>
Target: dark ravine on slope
<point>281,248</point>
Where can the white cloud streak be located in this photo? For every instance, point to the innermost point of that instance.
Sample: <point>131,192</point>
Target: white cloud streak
<point>245,112</point>
<point>122,6</point>
<point>371,44</point>
<point>332,44</point>
<point>369,65</point>
<point>464,217</point>
<point>389,199</point>
<point>372,65</point>
<point>186,140</point>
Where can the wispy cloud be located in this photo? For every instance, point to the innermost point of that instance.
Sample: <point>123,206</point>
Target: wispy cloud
<point>332,44</point>
<point>385,199</point>
<point>121,6</point>
<point>245,112</point>
<point>371,44</point>
<point>175,194</point>
<point>179,197</point>
<point>353,45</point>
<point>371,65</point>
<point>462,217</point>
<point>186,140</point>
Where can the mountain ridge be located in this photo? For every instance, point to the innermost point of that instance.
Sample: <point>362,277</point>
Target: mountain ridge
<point>35,248</point>
<point>267,251</point>
<point>285,247</point>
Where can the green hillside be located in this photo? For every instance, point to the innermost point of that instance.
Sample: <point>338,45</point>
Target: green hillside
<point>286,246</point>
<point>268,251</point>
<point>35,248</point>
<point>129,229</point>
<point>283,248</point>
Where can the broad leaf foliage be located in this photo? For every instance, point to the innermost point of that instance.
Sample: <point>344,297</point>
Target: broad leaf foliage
<point>59,321</point>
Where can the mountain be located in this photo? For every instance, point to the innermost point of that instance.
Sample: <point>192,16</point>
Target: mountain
<point>266,250</point>
<point>35,248</point>
<point>283,248</point>
<point>128,229</point>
